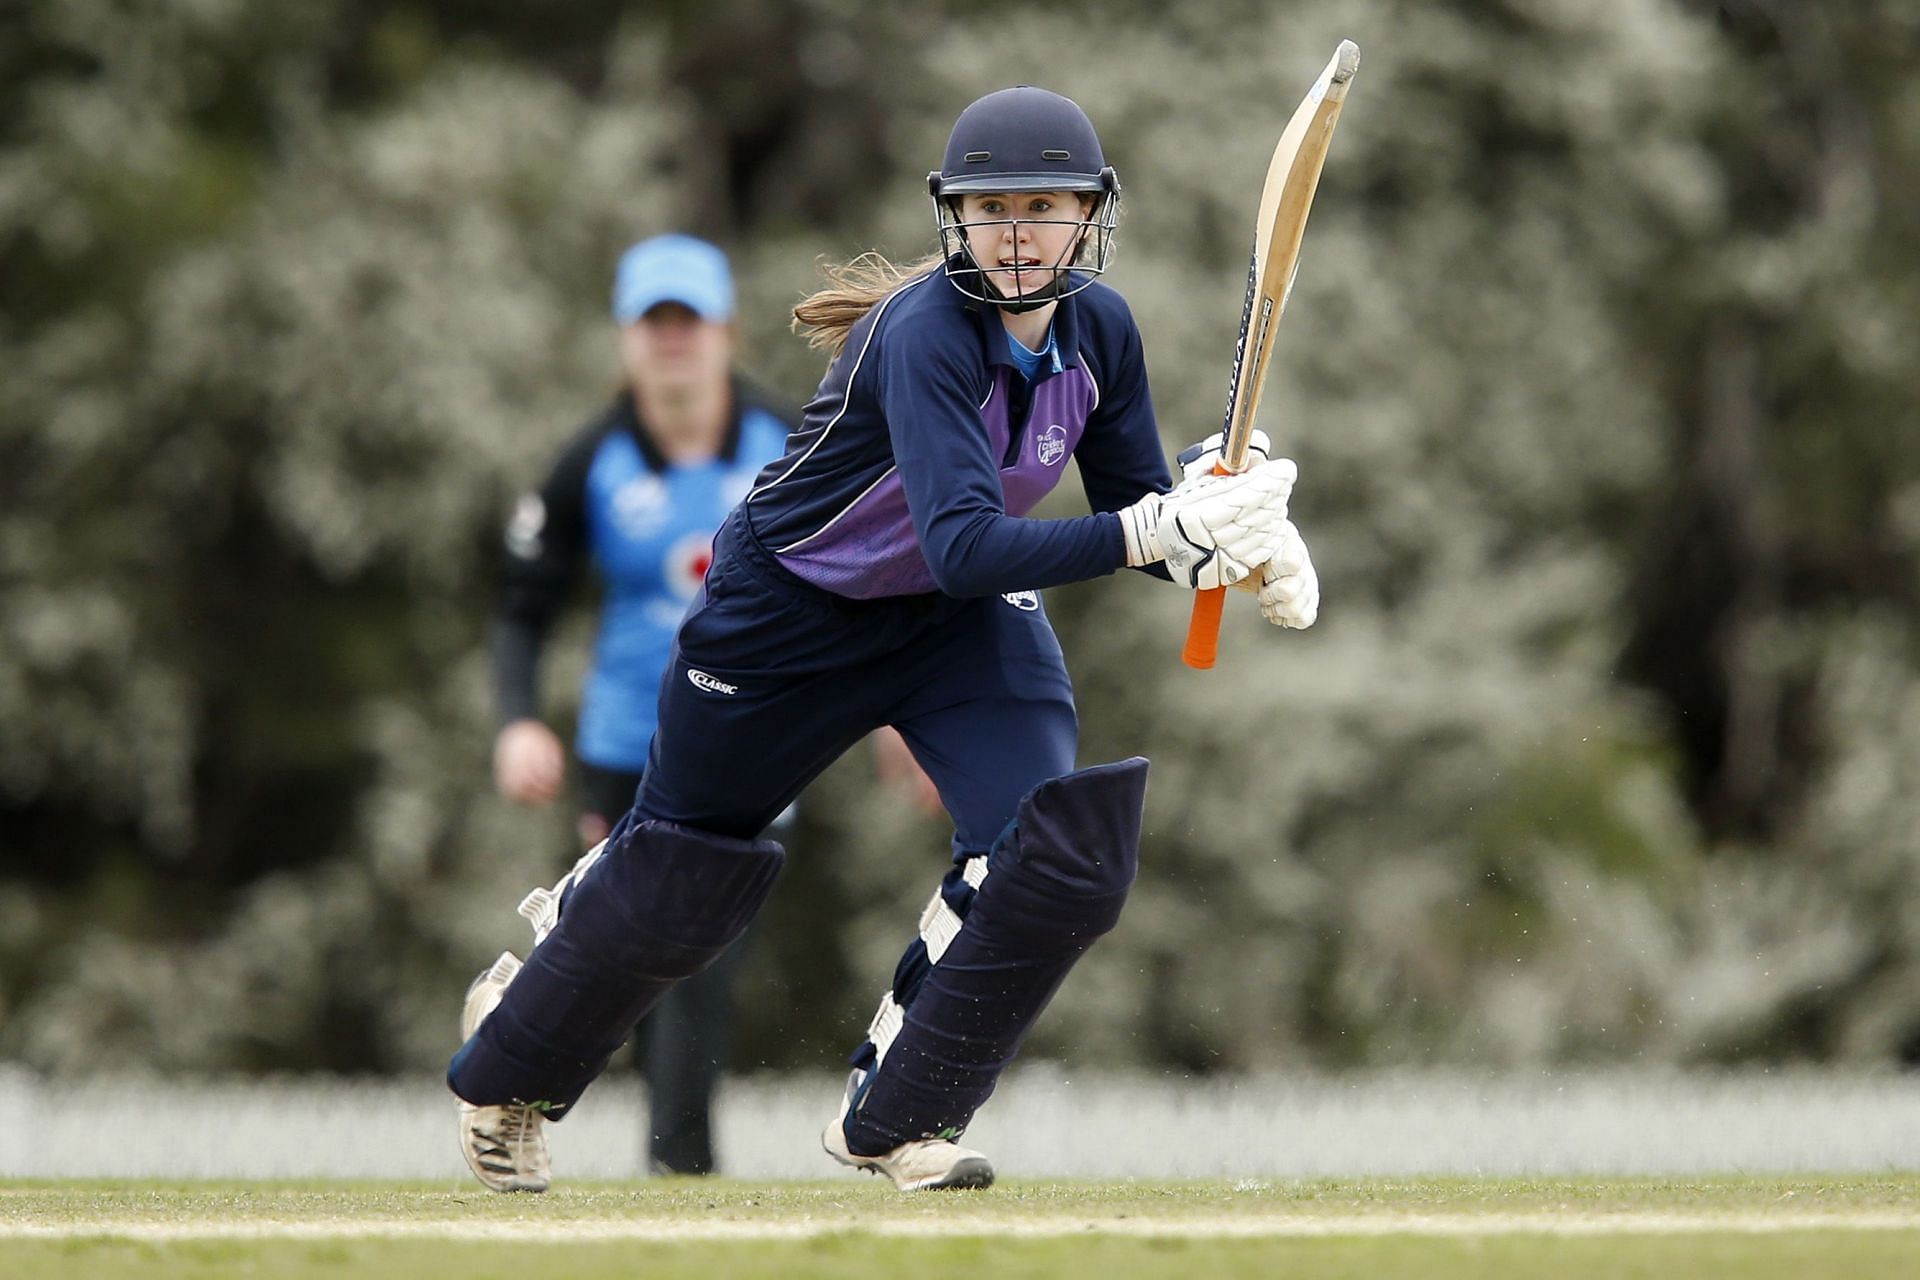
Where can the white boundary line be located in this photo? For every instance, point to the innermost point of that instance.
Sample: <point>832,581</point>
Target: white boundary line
<point>1238,1226</point>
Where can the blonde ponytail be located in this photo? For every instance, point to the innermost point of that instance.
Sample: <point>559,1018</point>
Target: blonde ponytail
<point>826,316</point>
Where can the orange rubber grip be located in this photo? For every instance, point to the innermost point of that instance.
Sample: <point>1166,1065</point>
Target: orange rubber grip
<point>1203,628</point>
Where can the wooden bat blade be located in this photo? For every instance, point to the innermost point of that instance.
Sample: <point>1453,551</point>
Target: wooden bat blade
<point>1293,175</point>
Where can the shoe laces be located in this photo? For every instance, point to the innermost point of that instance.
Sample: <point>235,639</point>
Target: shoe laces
<point>516,1129</point>
<point>518,1125</point>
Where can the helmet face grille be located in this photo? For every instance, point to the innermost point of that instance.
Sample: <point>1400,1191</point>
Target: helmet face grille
<point>1093,254</point>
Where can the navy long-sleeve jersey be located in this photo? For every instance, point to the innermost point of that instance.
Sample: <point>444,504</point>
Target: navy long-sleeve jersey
<point>925,445</point>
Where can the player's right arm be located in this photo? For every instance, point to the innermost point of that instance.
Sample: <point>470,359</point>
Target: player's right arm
<point>1209,534</point>
<point>930,387</point>
<point>546,540</point>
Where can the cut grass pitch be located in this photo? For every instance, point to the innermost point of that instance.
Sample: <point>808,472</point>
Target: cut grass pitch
<point>1580,1229</point>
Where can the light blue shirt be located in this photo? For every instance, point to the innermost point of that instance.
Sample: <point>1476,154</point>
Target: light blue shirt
<point>651,536</point>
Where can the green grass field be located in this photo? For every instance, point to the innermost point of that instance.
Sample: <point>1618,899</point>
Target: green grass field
<point>1436,1229</point>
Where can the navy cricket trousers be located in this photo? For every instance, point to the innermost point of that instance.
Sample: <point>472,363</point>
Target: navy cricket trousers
<point>771,679</point>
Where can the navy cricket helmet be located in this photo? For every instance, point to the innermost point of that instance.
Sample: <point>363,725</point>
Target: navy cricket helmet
<point>1019,140</point>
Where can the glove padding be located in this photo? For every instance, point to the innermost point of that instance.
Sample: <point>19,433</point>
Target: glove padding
<point>1287,585</point>
<point>1197,460</point>
<point>1213,531</point>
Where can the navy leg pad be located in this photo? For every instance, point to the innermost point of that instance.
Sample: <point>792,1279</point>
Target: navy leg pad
<point>659,906</point>
<point>1065,864</point>
<point>1057,880</point>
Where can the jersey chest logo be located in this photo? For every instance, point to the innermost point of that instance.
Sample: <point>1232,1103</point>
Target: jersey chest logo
<point>1052,445</point>
<point>686,563</point>
<point>640,506</point>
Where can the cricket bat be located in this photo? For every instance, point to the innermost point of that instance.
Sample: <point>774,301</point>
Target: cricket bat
<point>1292,176</point>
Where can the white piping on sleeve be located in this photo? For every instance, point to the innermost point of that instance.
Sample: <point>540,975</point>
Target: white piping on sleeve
<point>794,546</point>
<point>845,396</point>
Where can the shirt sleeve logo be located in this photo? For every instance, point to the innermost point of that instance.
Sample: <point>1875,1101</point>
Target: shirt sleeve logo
<point>1052,445</point>
<point>1025,601</point>
<point>523,530</point>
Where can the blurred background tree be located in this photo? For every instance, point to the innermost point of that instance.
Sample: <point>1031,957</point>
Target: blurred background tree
<point>1596,372</point>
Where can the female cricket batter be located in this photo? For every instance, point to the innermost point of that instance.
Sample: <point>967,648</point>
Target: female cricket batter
<point>884,572</point>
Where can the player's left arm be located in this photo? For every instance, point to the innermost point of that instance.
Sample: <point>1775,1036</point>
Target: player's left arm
<point>1119,455</point>
<point>1120,460</point>
<point>927,386</point>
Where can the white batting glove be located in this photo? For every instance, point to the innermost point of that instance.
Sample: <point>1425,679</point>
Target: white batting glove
<point>1214,531</point>
<point>1287,585</point>
<point>1198,460</point>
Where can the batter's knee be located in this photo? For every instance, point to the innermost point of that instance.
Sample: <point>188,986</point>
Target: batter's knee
<point>665,900</point>
<point>1065,864</point>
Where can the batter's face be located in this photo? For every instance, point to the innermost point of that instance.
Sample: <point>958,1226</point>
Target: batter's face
<point>1023,240</point>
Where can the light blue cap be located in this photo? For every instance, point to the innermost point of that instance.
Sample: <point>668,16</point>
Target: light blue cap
<point>672,268</point>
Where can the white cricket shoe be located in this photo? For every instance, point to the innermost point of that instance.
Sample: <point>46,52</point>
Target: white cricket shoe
<point>929,1164</point>
<point>506,1147</point>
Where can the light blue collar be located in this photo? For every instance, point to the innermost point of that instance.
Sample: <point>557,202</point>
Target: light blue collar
<point>1028,361</point>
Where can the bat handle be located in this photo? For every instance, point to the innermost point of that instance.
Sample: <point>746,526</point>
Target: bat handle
<point>1203,628</point>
